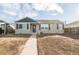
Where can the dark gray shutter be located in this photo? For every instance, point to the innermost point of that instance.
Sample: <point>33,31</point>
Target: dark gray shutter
<point>57,27</point>
<point>39,26</point>
<point>16,26</point>
<point>49,26</point>
<point>27,26</point>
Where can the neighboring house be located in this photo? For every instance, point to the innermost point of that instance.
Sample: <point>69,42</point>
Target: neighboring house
<point>29,26</point>
<point>72,28</point>
<point>26,26</point>
<point>3,26</point>
<point>51,26</point>
<point>11,28</point>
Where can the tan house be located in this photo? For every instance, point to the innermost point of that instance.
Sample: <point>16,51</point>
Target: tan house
<point>72,28</point>
<point>51,26</point>
<point>29,26</point>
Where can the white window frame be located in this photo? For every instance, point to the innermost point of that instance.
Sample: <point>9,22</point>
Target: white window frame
<point>44,26</point>
<point>18,26</point>
<point>60,26</point>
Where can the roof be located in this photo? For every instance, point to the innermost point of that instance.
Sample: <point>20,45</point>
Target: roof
<point>50,21</point>
<point>26,19</point>
<point>73,24</point>
<point>2,21</point>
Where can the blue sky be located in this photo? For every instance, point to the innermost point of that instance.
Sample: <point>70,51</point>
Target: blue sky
<point>11,12</point>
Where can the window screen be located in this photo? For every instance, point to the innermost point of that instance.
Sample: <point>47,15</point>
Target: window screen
<point>20,26</point>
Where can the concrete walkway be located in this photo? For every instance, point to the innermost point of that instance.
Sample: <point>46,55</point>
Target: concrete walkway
<point>30,47</point>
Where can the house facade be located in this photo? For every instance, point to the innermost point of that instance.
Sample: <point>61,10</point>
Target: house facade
<point>72,28</point>
<point>26,26</point>
<point>6,28</point>
<point>29,26</point>
<point>51,26</point>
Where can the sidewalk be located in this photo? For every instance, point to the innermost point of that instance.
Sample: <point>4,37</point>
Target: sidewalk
<point>30,47</point>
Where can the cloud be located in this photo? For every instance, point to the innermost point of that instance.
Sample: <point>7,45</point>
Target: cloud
<point>54,14</point>
<point>10,9</point>
<point>26,11</point>
<point>10,5</point>
<point>27,14</point>
<point>39,6</point>
<point>74,11</point>
<point>49,7</point>
<point>31,14</point>
<point>10,13</point>
<point>6,5</point>
<point>18,11</point>
<point>56,7</point>
<point>31,10</point>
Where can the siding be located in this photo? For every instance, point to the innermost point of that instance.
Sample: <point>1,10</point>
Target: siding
<point>53,29</point>
<point>24,29</point>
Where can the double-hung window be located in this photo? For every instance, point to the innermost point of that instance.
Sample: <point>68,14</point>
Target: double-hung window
<point>59,26</point>
<point>45,26</point>
<point>18,26</point>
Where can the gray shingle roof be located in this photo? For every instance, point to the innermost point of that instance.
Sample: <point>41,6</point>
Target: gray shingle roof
<point>26,19</point>
<point>50,21</point>
<point>2,21</point>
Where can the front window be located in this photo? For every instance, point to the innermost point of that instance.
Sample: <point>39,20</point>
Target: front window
<point>45,26</point>
<point>60,26</point>
<point>18,26</point>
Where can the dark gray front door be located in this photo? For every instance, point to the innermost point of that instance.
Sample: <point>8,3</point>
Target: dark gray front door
<point>34,28</point>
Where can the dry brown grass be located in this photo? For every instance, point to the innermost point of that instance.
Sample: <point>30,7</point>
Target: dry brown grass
<point>58,45</point>
<point>11,45</point>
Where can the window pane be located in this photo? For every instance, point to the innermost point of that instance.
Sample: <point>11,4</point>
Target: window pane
<point>20,26</point>
<point>45,26</point>
<point>60,26</point>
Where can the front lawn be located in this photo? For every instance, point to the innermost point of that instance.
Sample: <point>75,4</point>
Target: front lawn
<point>57,45</point>
<point>11,45</point>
